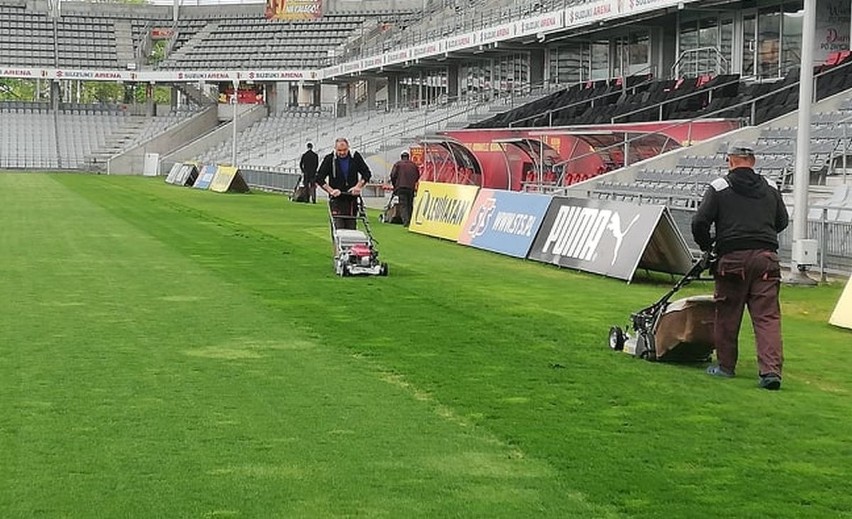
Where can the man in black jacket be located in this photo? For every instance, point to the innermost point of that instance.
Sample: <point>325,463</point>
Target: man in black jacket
<point>346,173</point>
<point>308,164</point>
<point>404,177</point>
<point>748,213</point>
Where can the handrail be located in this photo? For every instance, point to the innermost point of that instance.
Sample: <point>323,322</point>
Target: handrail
<point>550,111</point>
<point>679,98</point>
<point>718,54</point>
<point>703,116</point>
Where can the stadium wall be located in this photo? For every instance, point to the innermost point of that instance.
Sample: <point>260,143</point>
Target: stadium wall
<point>132,161</point>
<point>219,135</point>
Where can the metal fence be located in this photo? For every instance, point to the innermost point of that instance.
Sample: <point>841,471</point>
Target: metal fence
<point>277,181</point>
<point>834,237</point>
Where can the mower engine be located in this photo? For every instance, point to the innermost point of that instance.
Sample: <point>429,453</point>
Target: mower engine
<point>361,254</point>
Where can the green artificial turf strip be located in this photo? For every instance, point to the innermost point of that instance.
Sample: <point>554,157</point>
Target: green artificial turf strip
<point>176,352</point>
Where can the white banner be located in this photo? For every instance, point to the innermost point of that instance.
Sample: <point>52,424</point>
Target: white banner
<point>498,33</point>
<point>462,41</point>
<point>541,24</point>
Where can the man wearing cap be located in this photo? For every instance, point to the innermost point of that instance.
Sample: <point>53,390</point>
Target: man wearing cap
<point>404,177</point>
<point>747,213</point>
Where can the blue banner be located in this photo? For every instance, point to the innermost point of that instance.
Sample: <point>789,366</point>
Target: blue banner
<point>205,177</point>
<point>504,221</point>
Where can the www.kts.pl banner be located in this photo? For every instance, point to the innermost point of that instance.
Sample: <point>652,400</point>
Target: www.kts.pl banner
<point>504,221</point>
<point>441,210</point>
<point>293,9</point>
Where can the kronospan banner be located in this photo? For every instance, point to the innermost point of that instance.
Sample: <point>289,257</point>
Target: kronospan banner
<point>610,238</point>
<point>441,210</point>
<point>504,221</point>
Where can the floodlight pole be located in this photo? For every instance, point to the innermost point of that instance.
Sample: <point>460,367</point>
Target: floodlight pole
<point>801,178</point>
<point>234,100</point>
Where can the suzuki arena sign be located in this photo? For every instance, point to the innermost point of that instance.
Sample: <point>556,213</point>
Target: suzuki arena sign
<point>610,238</point>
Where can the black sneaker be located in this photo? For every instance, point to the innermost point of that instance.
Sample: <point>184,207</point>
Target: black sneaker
<point>771,382</point>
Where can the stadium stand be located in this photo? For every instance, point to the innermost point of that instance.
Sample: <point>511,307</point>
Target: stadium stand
<point>78,136</point>
<point>279,140</point>
<point>26,38</point>
<point>684,185</point>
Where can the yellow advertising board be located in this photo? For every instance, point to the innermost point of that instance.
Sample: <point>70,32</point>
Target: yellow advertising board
<point>440,209</point>
<point>228,178</point>
<point>842,315</point>
<point>293,9</point>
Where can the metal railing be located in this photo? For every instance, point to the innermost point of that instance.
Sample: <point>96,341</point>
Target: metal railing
<point>659,106</point>
<point>720,59</point>
<point>549,112</point>
<point>472,18</point>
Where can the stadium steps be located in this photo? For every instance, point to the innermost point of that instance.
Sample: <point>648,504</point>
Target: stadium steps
<point>197,38</point>
<point>124,42</point>
<point>129,133</point>
<point>195,94</point>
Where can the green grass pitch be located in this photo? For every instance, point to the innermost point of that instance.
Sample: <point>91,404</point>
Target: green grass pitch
<point>166,352</point>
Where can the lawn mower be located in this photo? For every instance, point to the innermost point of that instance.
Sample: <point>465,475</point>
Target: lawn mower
<point>671,331</point>
<point>354,249</point>
<point>392,212</point>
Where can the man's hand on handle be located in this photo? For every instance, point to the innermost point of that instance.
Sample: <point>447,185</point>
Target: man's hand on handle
<point>355,190</point>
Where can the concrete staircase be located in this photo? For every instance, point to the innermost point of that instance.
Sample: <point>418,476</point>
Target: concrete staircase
<point>124,43</point>
<point>187,47</point>
<point>125,137</point>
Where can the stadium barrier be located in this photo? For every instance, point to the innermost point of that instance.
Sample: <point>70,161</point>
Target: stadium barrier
<point>610,238</point>
<point>441,210</point>
<point>275,181</point>
<point>842,315</point>
<point>603,237</point>
<point>505,222</point>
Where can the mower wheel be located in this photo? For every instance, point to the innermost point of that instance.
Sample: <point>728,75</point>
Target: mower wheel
<point>345,270</point>
<point>383,271</point>
<point>616,338</point>
<point>382,218</point>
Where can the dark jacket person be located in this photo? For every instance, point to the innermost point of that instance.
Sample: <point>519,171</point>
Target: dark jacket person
<point>342,175</point>
<point>308,165</point>
<point>747,214</point>
<point>404,177</point>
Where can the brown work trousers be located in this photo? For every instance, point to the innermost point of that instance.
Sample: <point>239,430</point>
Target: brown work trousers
<point>752,278</point>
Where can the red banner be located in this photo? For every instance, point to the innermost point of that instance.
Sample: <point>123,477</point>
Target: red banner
<point>293,9</point>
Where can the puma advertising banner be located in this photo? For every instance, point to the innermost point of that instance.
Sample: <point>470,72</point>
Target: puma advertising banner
<point>842,315</point>
<point>610,238</point>
<point>441,210</point>
<point>504,221</point>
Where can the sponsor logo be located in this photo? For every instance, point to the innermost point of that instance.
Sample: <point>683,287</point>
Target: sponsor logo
<point>442,209</point>
<point>518,224</point>
<point>496,33</point>
<point>482,218</point>
<point>577,232</point>
<point>17,72</point>
<point>302,9</point>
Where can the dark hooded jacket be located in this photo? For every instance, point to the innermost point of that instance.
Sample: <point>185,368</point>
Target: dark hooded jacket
<point>748,213</point>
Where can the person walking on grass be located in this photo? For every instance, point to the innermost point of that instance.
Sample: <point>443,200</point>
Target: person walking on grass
<point>404,177</point>
<point>747,213</point>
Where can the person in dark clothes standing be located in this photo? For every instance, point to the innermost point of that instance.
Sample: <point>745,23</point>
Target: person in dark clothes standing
<point>308,164</point>
<point>404,177</point>
<point>342,175</point>
<point>747,213</point>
